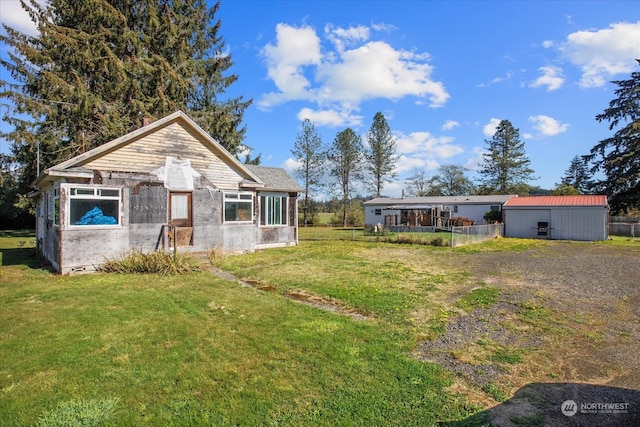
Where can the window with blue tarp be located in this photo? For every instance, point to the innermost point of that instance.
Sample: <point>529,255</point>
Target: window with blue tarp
<point>94,206</point>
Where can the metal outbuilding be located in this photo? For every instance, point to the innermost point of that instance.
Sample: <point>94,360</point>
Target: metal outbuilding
<point>583,217</point>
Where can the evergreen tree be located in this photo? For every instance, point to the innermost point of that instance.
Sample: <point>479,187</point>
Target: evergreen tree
<point>311,158</point>
<point>618,157</point>
<point>578,176</point>
<point>450,181</point>
<point>505,166</point>
<point>98,68</point>
<point>380,158</point>
<point>345,156</point>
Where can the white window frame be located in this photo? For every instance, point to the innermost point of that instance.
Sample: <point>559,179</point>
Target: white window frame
<point>96,193</point>
<point>56,206</point>
<point>237,197</point>
<point>267,209</point>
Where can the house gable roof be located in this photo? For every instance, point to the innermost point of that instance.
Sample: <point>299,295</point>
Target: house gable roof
<point>145,149</point>
<point>577,200</point>
<point>275,179</point>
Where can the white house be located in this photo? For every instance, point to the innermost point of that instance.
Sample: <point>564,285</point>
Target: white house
<point>583,217</point>
<point>430,211</point>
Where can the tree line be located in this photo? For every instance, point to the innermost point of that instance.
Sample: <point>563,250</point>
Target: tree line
<point>97,69</point>
<point>347,163</point>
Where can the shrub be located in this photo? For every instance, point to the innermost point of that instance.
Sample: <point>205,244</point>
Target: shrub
<point>157,262</point>
<point>438,241</point>
<point>493,217</point>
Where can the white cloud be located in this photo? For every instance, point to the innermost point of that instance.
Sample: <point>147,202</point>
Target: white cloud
<point>547,44</point>
<point>13,15</point>
<point>355,70</point>
<point>330,117</point>
<point>551,78</point>
<point>450,124</point>
<point>423,144</point>
<point>490,128</point>
<point>291,164</point>
<point>344,37</point>
<point>295,49</point>
<point>604,53</point>
<point>409,163</point>
<point>547,126</point>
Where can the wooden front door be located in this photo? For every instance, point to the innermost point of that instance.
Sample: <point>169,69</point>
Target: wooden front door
<point>180,217</point>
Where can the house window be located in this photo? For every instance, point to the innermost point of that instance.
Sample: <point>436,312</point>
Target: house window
<point>378,212</point>
<point>89,206</point>
<point>238,207</point>
<point>455,209</point>
<point>494,208</point>
<point>273,210</point>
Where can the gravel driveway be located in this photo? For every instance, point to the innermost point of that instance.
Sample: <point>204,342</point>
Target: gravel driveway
<point>584,346</point>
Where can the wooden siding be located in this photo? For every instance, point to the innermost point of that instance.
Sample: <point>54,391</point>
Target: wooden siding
<point>149,153</point>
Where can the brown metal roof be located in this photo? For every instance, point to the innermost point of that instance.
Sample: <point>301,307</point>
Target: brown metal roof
<point>582,200</point>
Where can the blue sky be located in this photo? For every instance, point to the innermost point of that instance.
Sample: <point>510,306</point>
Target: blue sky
<point>442,73</point>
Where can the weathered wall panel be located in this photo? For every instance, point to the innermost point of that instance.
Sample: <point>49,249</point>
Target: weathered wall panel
<point>148,204</point>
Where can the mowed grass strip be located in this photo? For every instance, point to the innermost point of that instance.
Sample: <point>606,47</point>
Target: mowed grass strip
<point>197,350</point>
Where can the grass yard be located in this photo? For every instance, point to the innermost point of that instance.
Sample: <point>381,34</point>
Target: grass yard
<point>198,350</point>
<point>195,349</point>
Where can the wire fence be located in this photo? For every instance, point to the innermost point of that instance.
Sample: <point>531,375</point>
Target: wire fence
<point>475,233</point>
<point>458,236</point>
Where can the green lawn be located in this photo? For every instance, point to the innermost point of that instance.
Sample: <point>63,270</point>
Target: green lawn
<point>194,349</point>
<point>198,350</point>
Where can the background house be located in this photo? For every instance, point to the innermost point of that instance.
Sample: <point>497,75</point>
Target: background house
<point>557,217</point>
<point>166,185</point>
<point>430,211</point>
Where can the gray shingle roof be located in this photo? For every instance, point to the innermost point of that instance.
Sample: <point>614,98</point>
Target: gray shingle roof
<point>275,179</point>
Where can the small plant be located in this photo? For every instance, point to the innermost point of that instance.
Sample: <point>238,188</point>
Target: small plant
<point>495,392</point>
<point>215,255</point>
<point>437,241</point>
<point>157,262</point>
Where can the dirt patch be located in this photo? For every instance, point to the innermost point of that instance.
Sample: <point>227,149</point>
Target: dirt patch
<point>325,304</point>
<point>570,311</point>
<point>298,296</point>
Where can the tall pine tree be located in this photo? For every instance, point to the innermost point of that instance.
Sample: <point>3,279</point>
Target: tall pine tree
<point>618,157</point>
<point>505,166</point>
<point>380,154</point>
<point>578,176</point>
<point>311,157</point>
<point>345,156</point>
<point>98,68</point>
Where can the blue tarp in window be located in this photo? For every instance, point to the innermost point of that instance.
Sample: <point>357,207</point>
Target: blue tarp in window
<point>96,217</point>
